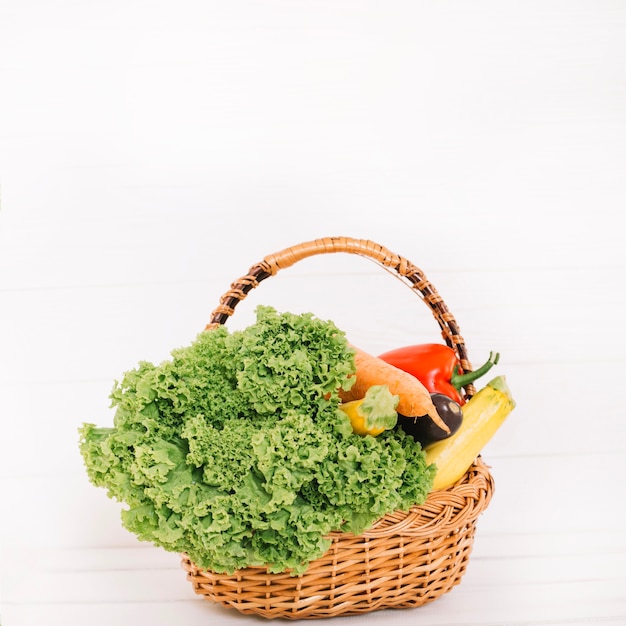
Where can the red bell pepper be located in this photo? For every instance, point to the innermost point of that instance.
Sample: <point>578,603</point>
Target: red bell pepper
<point>437,367</point>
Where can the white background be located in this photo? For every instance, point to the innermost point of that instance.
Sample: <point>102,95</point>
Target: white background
<point>150,152</point>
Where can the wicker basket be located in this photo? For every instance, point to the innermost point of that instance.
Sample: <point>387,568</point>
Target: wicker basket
<point>405,559</point>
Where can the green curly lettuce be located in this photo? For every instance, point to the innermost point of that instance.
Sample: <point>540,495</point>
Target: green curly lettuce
<point>235,450</point>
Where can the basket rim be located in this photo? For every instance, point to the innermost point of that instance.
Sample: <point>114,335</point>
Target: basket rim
<point>433,515</point>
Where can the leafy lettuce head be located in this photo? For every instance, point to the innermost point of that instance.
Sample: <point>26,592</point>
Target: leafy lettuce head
<point>235,450</point>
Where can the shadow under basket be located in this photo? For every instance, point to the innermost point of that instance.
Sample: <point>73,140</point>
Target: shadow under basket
<point>406,559</point>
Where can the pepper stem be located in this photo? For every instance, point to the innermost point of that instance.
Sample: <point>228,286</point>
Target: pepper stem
<point>460,380</point>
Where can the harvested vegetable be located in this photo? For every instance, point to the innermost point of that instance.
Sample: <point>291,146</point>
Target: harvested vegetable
<point>437,367</point>
<point>374,413</point>
<point>235,450</point>
<point>424,430</point>
<point>483,414</point>
<point>414,397</point>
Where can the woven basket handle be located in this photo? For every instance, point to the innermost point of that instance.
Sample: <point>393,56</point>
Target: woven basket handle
<point>401,267</point>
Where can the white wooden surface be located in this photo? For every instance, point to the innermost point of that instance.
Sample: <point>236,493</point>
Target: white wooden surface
<point>150,152</point>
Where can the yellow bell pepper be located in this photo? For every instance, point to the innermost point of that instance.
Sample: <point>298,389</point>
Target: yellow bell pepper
<point>374,413</point>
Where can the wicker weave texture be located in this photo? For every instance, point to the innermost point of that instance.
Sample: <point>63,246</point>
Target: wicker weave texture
<point>405,559</point>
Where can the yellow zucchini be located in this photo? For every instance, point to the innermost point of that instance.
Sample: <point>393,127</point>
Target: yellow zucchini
<point>483,414</point>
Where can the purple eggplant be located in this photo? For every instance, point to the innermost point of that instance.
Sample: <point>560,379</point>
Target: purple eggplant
<point>424,430</point>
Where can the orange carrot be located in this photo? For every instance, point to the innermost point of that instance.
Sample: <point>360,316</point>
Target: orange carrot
<point>415,399</point>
